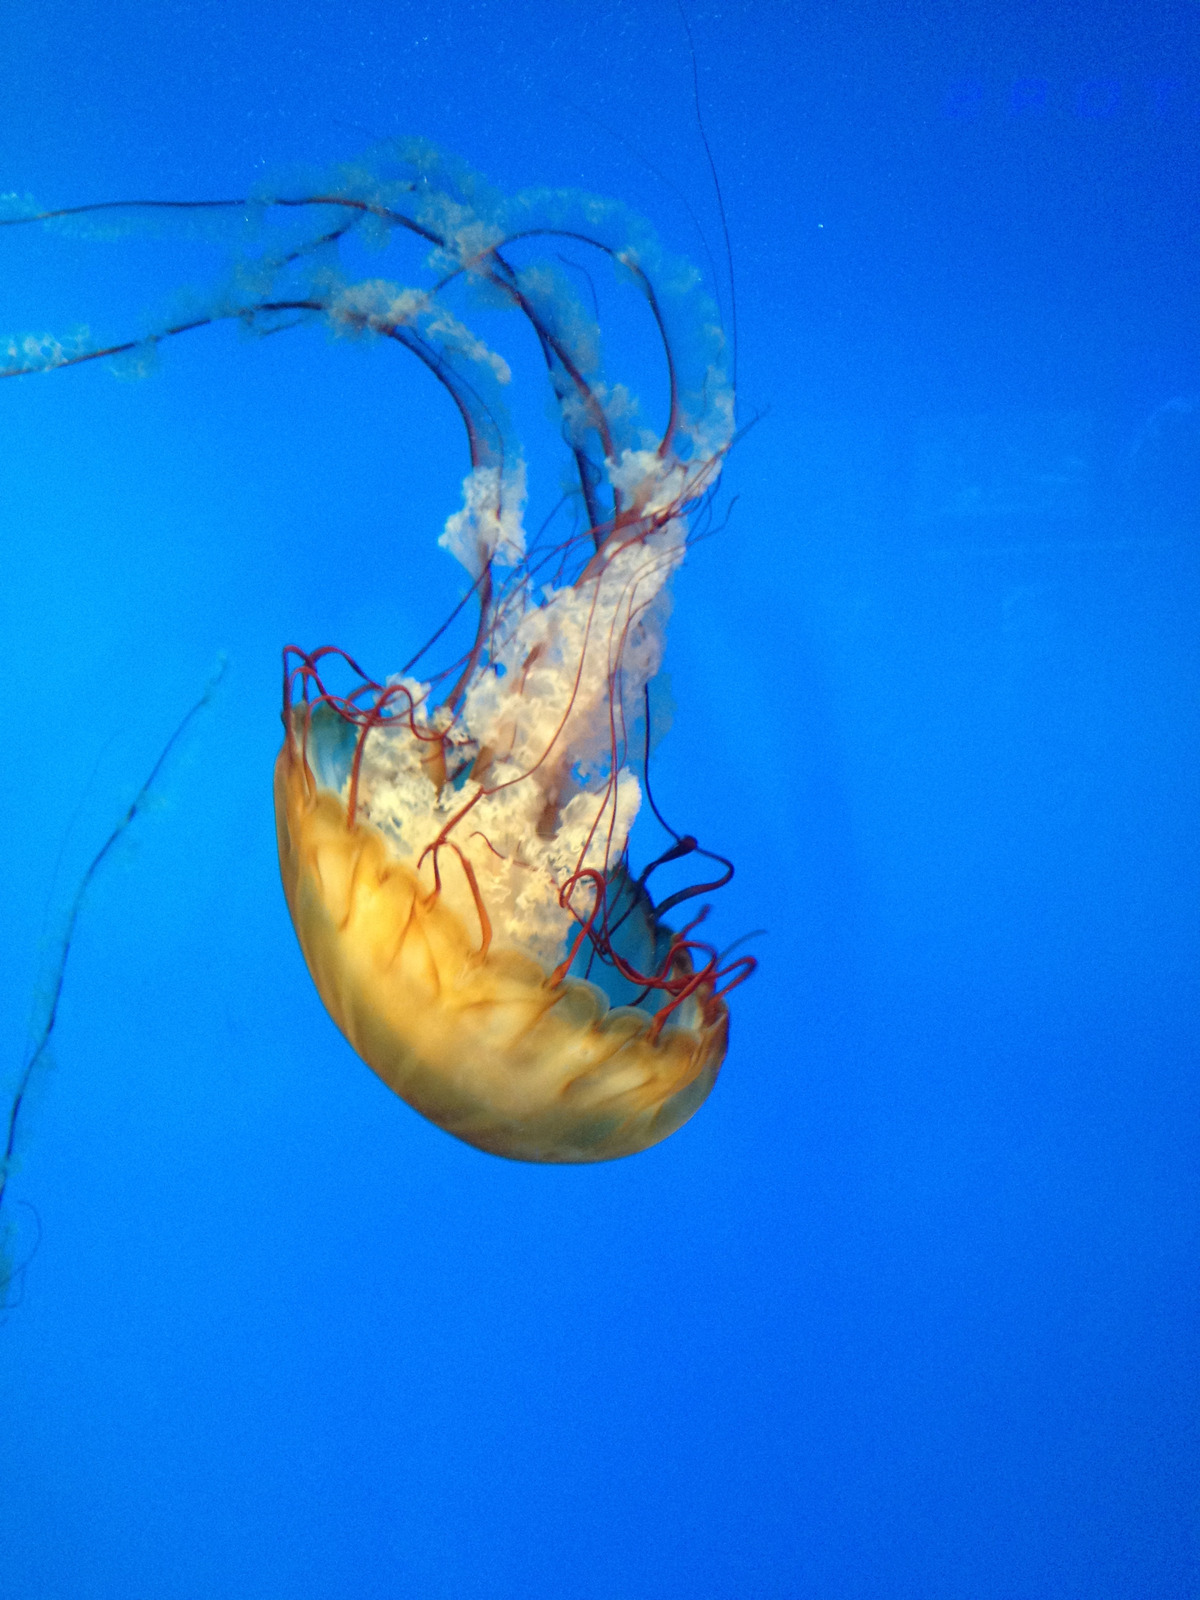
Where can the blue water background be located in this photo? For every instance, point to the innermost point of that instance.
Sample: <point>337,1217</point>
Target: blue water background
<point>910,1310</point>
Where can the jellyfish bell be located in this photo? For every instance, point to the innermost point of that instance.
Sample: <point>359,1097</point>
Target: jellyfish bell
<point>454,846</point>
<point>450,996</point>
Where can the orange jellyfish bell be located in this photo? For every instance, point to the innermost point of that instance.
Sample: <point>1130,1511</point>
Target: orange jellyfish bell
<point>449,1002</point>
<point>454,850</point>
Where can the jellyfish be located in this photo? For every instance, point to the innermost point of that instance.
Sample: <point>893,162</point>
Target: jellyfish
<point>454,836</point>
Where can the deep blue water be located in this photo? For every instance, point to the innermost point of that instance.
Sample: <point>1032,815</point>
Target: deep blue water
<point>910,1309</point>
